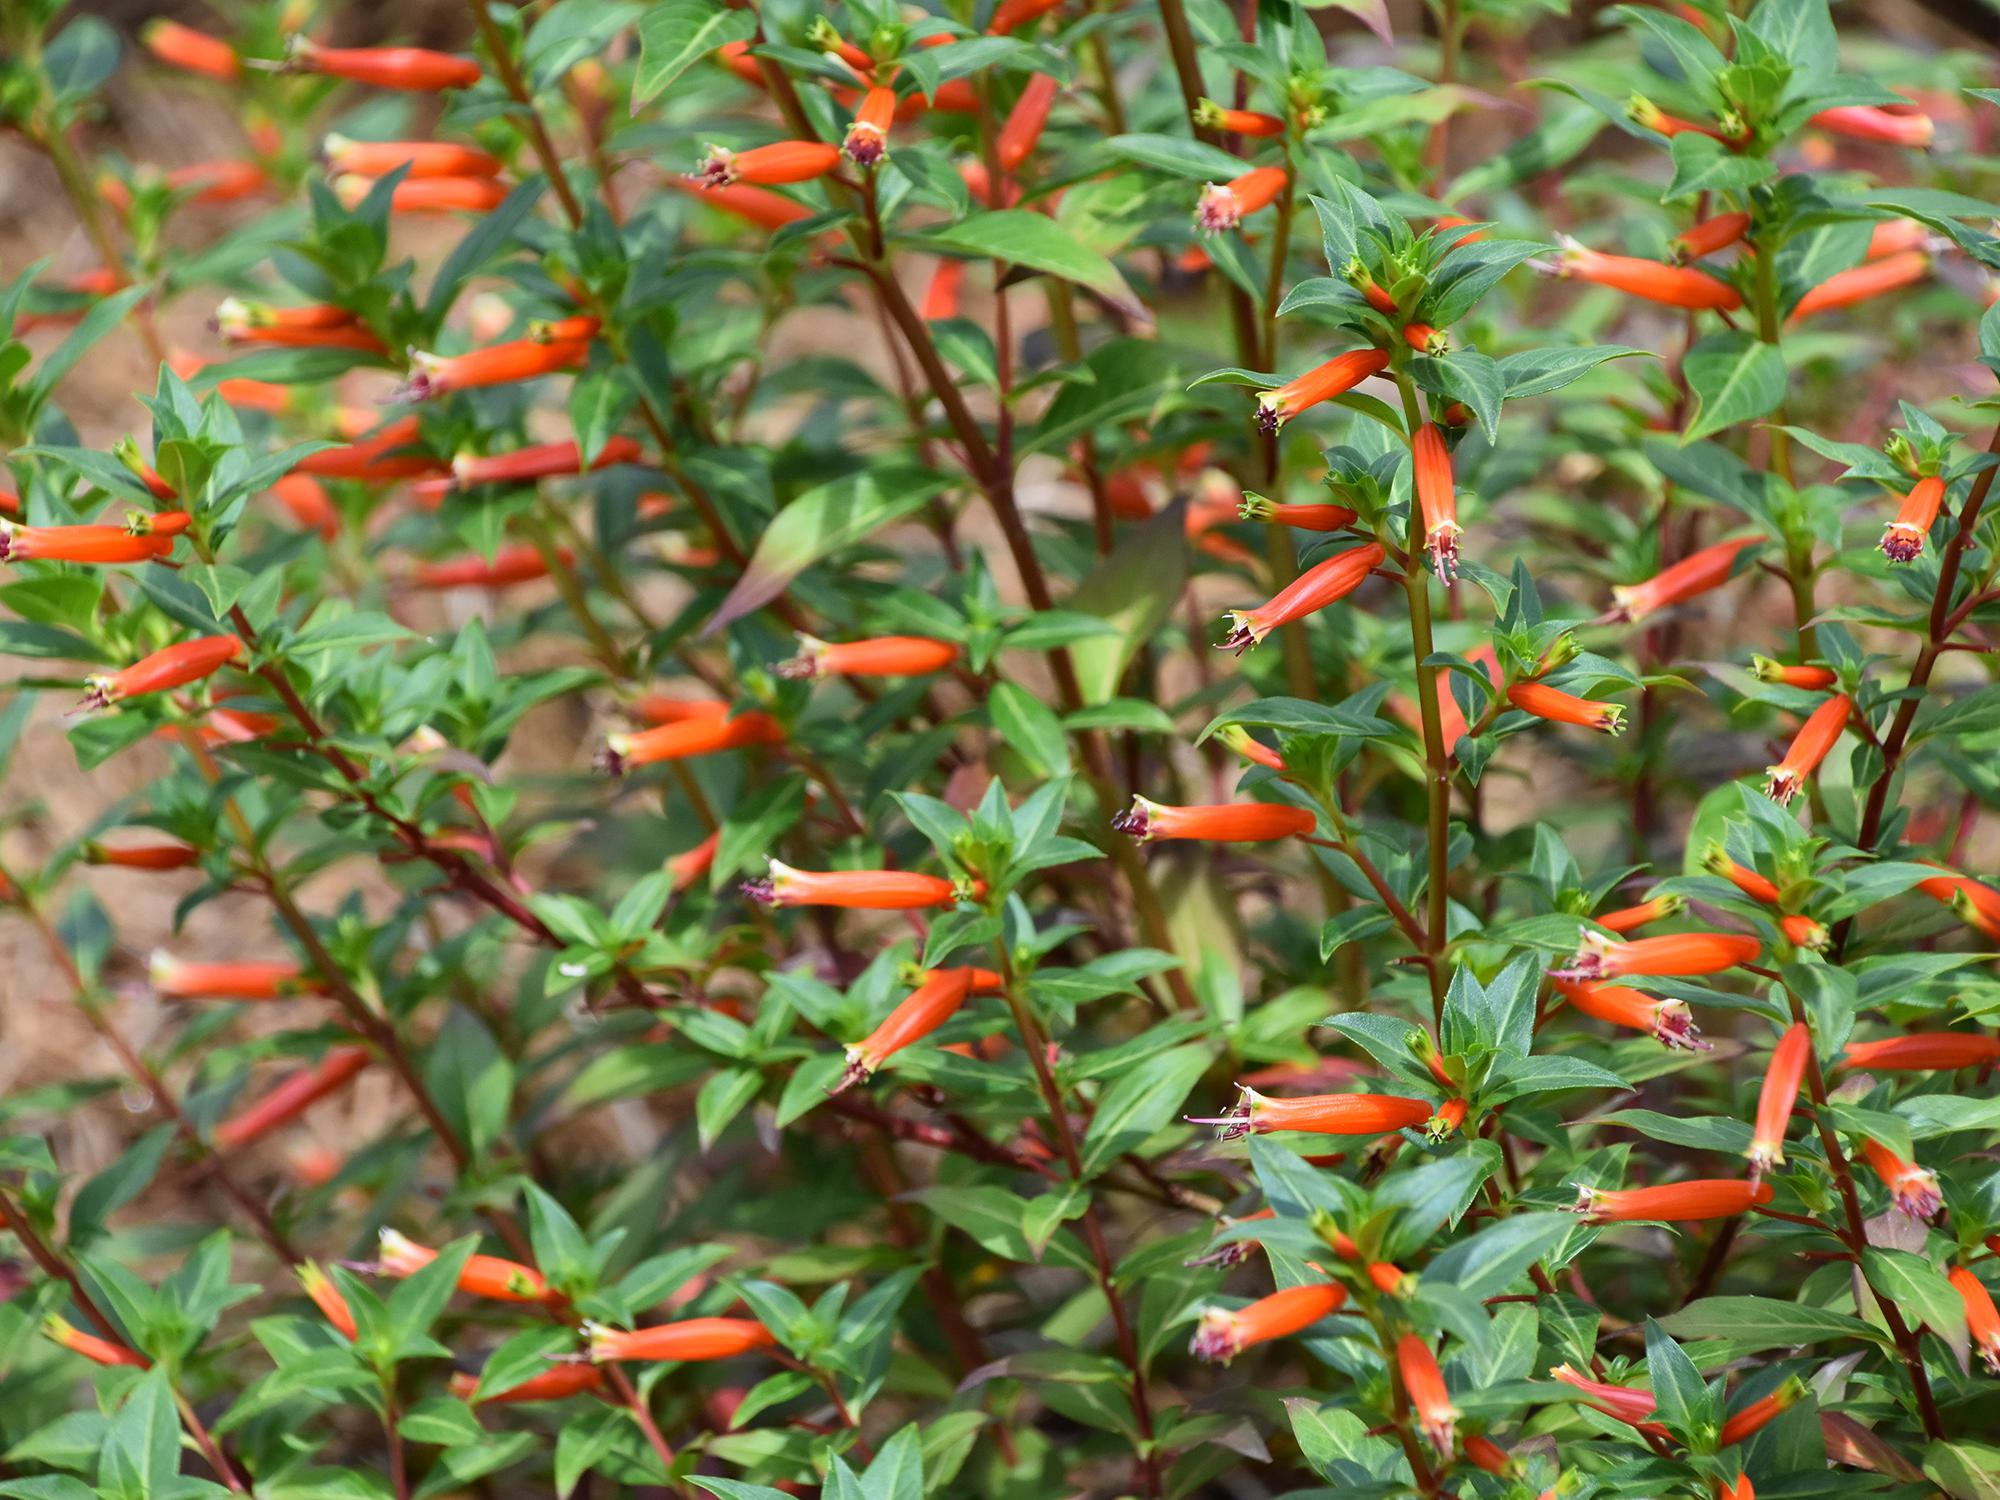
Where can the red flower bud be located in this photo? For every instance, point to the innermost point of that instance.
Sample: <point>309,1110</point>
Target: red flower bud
<point>1868,122</point>
<point>1304,517</point>
<point>326,1297</point>
<point>521,562</point>
<point>192,51</point>
<point>482,1275</point>
<point>499,364</point>
<point>1710,235</point>
<point>1760,1413</point>
<point>106,545</point>
<point>1757,887</point>
<point>1812,679</point>
<point>1011,15</point>
<point>679,741</point>
<point>1982,1319</point>
<point>1863,283</point>
<point>1208,115</point>
<point>1704,570</point>
<point>1977,905</point>
<point>97,1350</point>
<point>754,205</point>
<point>927,1007</point>
<point>556,1383</point>
<point>143,856</point>
<point>1627,918</point>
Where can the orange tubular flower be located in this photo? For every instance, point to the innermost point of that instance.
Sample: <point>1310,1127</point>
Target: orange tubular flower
<point>692,737</point>
<point>690,865</point>
<point>381,458</point>
<point>1424,1383</point>
<point>1677,1202</point>
<point>1864,282</point>
<point>276,327</point>
<point>1812,679</point>
<point>1322,584</point>
<point>1816,737</point>
<point>754,205</point>
<point>1678,955</point>
<point>191,51</point>
<point>482,1276</point>
<point>1705,570</point>
<point>860,890</point>
<point>176,666</point>
<point>1977,905</point>
<point>867,142</point>
<point>520,563</point>
<point>884,656</point>
<point>1222,1334</point>
<point>1982,1319</point>
<point>1668,1020</point>
<point>1895,235</point>
<point>556,1383</point>
<point>1023,126</point>
<point>413,69</point>
<point>499,364</point>
<point>423,158</point>
<point>1779,1096</point>
<point>1437,501</point>
<point>1627,918</point>
<point>1757,887</point>
<point>1620,1401</point>
<point>105,545</point>
<point>1650,280</point>
<point>1760,1413</point>
<point>1925,1052</point>
<point>1644,112</point>
<point>1558,707</point>
<point>1710,235</point>
<point>1318,1114</point>
<point>1223,206</point>
<point>305,499</point>
<point>1738,1489</point>
<point>1903,538</point>
<point>428,195</point>
<point>1011,15</point>
<point>326,1297</point>
<point>1914,1190</point>
<point>941,296</point>
<point>143,856</point>
<point>291,1097</point>
<point>1208,115</point>
<point>691,1339</point>
<point>1304,517</point>
<point>780,162</point>
<point>1321,385</point>
<point>1220,823</point>
<point>927,1007</point>
<point>1484,1453</point>
<point>90,1346</point>
<point>1867,122</point>
<point>540,461</point>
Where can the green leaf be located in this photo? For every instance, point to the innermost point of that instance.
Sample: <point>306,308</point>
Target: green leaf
<point>1134,590</point>
<point>1735,377</point>
<point>119,1183</point>
<point>1919,1290</point>
<point>471,1078</point>
<point>1140,1103</point>
<point>142,1446</point>
<point>1764,1322</point>
<point>821,522</point>
<point>1179,155</point>
<point>1021,238</point>
<point>675,34</point>
<point>1029,727</point>
<point>1704,165</point>
<point>1678,1391</point>
<point>1536,372</point>
<point>1491,1261</point>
